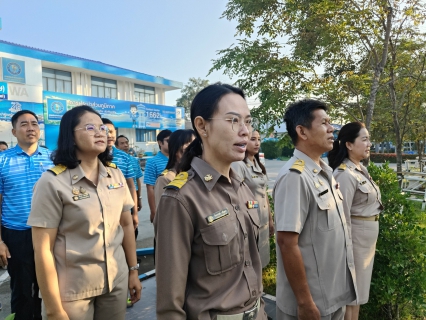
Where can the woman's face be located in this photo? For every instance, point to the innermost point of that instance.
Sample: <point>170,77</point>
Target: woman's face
<point>90,141</point>
<point>360,148</point>
<point>182,150</point>
<point>222,140</point>
<point>253,145</point>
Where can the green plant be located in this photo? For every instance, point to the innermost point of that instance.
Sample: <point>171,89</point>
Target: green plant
<point>269,273</point>
<point>271,149</point>
<point>398,286</point>
<point>389,157</point>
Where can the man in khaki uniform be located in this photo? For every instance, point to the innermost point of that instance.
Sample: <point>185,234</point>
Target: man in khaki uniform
<point>315,266</point>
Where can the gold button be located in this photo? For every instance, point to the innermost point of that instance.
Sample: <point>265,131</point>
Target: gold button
<point>75,177</point>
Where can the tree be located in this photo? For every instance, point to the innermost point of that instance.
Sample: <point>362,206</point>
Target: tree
<point>189,91</point>
<point>335,50</point>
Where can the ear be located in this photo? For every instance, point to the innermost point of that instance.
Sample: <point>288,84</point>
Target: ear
<point>301,132</point>
<point>200,125</point>
<point>348,146</point>
<point>14,132</point>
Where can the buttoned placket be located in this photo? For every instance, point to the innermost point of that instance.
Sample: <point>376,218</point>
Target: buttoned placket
<point>248,270</point>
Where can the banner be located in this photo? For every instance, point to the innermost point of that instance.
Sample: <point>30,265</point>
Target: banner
<point>9,108</point>
<point>3,91</point>
<point>124,114</point>
<point>13,70</point>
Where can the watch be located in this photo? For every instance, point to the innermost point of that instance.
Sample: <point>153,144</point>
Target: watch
<point>136,267</point>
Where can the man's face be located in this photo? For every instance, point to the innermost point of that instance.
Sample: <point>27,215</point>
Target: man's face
<point>319,136</point>
<point>164,146</point>
<point>26,130</point>
<point>3,147</point>
<point>112,134</point>
<point>123,144</point>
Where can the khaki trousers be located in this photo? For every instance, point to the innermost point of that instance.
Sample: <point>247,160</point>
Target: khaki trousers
<point>111,305</point>
<point>337,315</point>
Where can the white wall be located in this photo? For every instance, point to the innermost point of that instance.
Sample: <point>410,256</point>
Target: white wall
<point>31,91</point>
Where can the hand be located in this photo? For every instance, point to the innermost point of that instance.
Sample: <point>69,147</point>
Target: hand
<point>139,204</point>
<point>271,228</point>
<point>307,312</point>
<point>135,219</point>
<point>61,315</point>
<point>152,216</point>
<point>135,286</point>
<point>4,254</point>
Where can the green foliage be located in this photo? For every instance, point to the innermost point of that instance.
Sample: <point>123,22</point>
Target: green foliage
<point>189,91</point>
<point>269,273</point>
<point>271,149</point>
<point>398,287</point>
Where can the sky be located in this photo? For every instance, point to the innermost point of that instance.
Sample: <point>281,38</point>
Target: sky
<point>175,39</point>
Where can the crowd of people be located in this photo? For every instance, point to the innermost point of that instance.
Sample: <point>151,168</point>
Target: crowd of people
<point>69,218</point>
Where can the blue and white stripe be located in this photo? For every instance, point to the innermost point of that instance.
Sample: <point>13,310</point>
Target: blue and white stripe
<point>123,162</point>
<point>154,167</point>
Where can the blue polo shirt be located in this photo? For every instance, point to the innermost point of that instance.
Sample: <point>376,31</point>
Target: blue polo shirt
<point>18,174</point>
<point>123,162</point>
<point>137,169</point>
<point>154,167</point>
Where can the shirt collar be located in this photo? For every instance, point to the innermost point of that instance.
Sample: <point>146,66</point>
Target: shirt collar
<point>352,166</point>
<point>311,166</point>
<point>210,176</point>
<point>19,150</point>
<point>77,173</point>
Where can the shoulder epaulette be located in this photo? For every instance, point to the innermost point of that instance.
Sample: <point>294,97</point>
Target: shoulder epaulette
<point>179,181</point>
<point>342,167</point>
<point>112,165</point>
<point>58,169</point>
<point>164,172</point>
<point>298,166</point>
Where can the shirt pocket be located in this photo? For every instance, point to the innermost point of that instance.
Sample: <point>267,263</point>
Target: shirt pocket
<point>366,194</point>
<point>221,246</point>
<point>326,220</point>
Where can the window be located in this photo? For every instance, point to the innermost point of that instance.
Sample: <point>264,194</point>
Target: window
<point>104,88</point>
<point>144,94</point>
<point>56,80</point>
<point>144,135</point>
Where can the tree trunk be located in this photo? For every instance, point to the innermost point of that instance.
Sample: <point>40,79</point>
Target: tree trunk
<point>378,71</point>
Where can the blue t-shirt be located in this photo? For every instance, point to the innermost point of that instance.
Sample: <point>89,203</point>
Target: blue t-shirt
<point>137,169</point>
<point>18,174</point>
<point>154,167</point>
<point>123,162</point>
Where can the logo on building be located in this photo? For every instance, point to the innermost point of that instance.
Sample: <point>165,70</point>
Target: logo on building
<point>15,106</point>
<point>56,108</point>
<point>13,70</point>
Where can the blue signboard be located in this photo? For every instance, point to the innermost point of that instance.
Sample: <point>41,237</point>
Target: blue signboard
<point>13,70</point>
<point>9,108</point>
<point>124,114</point>
<point>3,91</point>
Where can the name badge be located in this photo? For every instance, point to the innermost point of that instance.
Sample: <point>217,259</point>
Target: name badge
<point>81,196</point>
<point>323,192</point>
<point>217,215</point>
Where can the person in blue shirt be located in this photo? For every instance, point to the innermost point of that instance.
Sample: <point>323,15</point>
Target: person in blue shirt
<point>122,143</point>
<point>20,168</point>
<point>154,167</point>
<point>123,162</point>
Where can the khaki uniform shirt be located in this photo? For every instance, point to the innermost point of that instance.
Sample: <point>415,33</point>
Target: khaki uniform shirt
<point>162,181</point>
<point>309,203</point>
<point>253,176</point>
<point>207,262</point>
<point>361,196</point>
<point>88,253</point>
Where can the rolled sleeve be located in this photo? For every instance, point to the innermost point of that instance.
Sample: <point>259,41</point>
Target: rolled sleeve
<point>291,201</point>
<point>46,204</point>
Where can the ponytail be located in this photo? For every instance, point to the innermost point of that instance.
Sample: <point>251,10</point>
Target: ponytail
<point>337,155</point>
<point>195,149</point>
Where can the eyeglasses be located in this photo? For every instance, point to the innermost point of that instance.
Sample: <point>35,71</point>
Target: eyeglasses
<point>92,129</point>
<point>237,123</point>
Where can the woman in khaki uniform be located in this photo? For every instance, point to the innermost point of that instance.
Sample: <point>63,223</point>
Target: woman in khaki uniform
<point>178,142</point>
<point>254,174</point>
<point>83,236</point>
<point>361,202</point>
<point>206,226</point>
